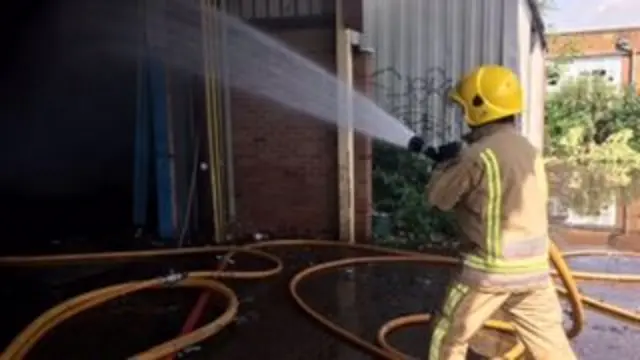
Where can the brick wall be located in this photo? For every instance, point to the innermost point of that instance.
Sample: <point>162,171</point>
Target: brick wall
<point>595,43</point>
<point>285,162</point>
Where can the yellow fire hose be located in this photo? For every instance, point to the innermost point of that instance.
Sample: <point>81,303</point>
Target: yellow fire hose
<point>27,339</point>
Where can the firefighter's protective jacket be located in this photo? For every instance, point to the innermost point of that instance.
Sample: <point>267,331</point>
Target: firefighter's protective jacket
<point>497,188</point>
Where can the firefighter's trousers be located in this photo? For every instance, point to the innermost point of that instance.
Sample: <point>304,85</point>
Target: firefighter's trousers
<point>536,315</point>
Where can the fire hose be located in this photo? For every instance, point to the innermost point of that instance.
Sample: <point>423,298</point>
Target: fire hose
<point>210,281</point>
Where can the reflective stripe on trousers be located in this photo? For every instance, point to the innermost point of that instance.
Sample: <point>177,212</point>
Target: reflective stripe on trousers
<point>453,298</point>
<point>505,255</point>
<point>501,282</point>
<point>536,315</point>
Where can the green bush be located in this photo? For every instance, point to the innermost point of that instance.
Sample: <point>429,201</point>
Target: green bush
<point>402,213</point>
<point>592,143</point>
<point>402,216</point>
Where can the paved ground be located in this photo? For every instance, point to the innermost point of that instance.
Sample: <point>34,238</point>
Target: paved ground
<point>269,325</point>
<point>604,337</point>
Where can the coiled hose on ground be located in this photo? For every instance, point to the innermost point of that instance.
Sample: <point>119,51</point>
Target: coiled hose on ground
<point>209,280</point>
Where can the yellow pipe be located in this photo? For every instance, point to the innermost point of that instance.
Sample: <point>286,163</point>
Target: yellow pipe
<point>214,115</point>
<point>25,341</point>
<point>218,128</point>
<point>19,349</point>
<point>209,109</point>
<point>210,36</point>
<point>219,203</point>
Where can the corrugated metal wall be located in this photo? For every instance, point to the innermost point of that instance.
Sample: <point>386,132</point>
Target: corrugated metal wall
<point>422,47</point>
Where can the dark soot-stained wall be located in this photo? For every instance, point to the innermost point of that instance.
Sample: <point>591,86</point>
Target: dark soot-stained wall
<point>67,119</point>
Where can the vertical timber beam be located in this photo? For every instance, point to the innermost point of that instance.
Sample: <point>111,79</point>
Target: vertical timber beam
<point>347,296</point>
<point>344,66</point>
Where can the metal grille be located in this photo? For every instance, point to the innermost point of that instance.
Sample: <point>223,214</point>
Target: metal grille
<point>280,9</point>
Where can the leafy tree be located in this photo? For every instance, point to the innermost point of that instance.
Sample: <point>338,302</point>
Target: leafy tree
<point>403,216</point>
<point>585,102</point>
<point>592,143</point>
<point>592,133</point>
<point>626,114</point>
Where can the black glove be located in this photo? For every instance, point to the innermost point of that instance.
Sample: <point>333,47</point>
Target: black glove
<point>444,152</point>
<point>438,154</point>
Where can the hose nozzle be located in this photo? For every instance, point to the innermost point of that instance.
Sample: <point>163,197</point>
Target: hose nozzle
<point>417,145</point>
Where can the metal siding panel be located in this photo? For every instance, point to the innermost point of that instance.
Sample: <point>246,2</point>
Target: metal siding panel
<point>315,6</point>
<point>511,25</point>
<point>422,47</point>
<point>275,9</point>
<point>303,7</point>
<point>261,9</point>
<point>246,8</point>
<point>290,8</point>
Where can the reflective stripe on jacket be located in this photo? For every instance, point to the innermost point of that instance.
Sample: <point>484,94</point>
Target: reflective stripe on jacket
<point>497,188</point>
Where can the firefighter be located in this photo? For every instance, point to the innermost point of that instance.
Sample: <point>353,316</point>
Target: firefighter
<point>497,188</point>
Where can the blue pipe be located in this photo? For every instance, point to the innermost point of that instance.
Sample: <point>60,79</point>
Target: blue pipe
<point>152,137</point>
<point>142,151</point>
<point>163,157</point>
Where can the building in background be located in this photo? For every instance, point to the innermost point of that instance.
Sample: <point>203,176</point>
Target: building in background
<point>611,53</point>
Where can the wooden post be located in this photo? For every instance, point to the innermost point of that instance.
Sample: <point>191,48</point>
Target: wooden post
<point>344,67</point>
<point>346,288</point>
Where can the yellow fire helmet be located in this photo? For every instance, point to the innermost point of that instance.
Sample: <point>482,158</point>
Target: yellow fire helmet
<point>488,93</point>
